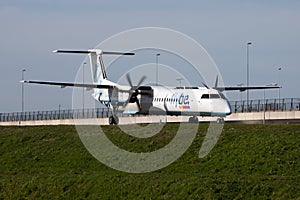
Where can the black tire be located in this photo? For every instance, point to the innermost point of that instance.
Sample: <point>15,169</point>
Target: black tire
<point>111,120</point>
<point>193,119</point>
<point>116,120</point>
<point>220,120</point>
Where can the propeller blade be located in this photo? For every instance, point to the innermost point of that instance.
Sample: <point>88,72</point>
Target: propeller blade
<point>141,81</point>
<point>129,80</point>
<point>133,90</point>
<point>127,102</point>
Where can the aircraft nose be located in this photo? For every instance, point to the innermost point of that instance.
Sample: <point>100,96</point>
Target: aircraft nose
<point>228,108</point>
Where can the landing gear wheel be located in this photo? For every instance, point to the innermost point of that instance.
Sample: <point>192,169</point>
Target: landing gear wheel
<point>193,119</point>
<point>220,120</point>
<point>116,118</point>
<point>113,120</point>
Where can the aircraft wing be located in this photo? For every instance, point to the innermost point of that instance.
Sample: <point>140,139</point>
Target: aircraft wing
<point>243,88</point>
<point>64,84</point>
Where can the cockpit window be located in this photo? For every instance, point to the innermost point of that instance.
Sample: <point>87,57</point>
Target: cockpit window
<point>214,96</point>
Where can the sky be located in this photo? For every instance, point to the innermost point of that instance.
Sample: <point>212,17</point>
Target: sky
<point>31,29</point>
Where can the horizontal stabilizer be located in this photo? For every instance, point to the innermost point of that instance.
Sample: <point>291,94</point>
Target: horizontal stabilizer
<point>97,51</point>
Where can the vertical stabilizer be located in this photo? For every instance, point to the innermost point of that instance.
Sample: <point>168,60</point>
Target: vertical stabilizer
<point>97,66</point>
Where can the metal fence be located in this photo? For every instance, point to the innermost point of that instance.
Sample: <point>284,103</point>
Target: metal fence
<point>56,114</point>
<point>287,104</point>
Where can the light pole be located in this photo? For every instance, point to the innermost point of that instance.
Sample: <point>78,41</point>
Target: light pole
<point>179,79</point>
<point>59,111</point>
<point>241,84</point>
<point>279,69</point>
<point>23,71</point>
<point>248,44</point>
<point>83,87</point>
<point>264,120</point>
<point>157,55</point>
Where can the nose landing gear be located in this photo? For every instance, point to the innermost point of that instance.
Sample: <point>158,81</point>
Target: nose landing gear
<point>193,119</point>
<point>113,120</point>
<point>220,120</point>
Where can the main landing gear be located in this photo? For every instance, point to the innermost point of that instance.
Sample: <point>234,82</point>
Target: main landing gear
<point>113,120</point>
<point>193,119</point>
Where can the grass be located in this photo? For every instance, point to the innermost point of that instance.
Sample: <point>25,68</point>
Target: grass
<point>248,162</point>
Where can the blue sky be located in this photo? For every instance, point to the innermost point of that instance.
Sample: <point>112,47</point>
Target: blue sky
<point>30,30</point>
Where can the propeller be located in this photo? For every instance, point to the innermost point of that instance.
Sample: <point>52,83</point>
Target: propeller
<point>133,92</point>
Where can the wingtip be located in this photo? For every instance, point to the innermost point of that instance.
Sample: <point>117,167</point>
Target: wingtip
<point>55,51</point>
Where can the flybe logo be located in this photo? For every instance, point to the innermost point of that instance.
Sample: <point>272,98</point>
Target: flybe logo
<point>184,107</point>
<point>183,102</point>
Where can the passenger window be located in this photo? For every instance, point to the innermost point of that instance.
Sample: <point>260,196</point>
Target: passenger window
<point>205,96</point>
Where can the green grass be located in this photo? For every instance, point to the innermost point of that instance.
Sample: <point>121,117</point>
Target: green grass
<point>248,162</point>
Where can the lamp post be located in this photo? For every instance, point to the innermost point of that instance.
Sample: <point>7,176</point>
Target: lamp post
<point>279,69</point>
<point>59,111</point>
<point>83,87</point>
<point>248,44</point>
<point>264,120</point>
<point>157,55</point>
<point>241,84</point>
<point>179,79</point>
<point>23,71</point>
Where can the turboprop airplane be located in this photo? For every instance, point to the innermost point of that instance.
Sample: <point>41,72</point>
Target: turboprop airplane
<point>146,100</point>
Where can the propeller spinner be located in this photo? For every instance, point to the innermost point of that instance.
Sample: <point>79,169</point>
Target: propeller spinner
<point>133,91</point>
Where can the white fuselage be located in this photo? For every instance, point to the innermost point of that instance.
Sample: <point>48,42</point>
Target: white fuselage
<point>192,101</point>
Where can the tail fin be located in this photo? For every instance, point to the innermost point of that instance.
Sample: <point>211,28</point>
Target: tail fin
<point>96,61</point>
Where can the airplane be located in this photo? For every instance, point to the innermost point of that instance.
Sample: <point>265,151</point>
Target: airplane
<point>148,100</point>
